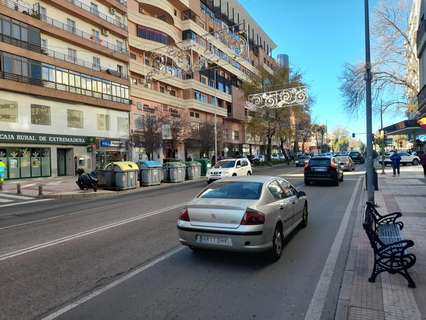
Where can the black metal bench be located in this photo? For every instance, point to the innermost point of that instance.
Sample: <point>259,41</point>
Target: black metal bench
<point>390,250</point>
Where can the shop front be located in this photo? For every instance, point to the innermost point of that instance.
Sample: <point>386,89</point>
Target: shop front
<point>33,155</point>
<point>110,150</point>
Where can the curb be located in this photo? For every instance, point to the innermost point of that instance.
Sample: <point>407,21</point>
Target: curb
<point>105,194</point>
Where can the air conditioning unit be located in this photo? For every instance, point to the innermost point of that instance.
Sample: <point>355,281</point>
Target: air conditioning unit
<point>111,10</point>
<point>105,32</point>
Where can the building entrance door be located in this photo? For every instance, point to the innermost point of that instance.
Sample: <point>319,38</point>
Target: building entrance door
<point>62,162</point>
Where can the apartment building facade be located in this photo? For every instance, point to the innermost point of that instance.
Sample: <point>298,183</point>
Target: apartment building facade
<point>64,85</point>
<point>188,59</point>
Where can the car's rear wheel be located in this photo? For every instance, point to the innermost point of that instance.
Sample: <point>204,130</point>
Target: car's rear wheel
<point>304,222</point>
<point>277,243</point>
<point>307,182</point>
<point>415,162</point>
<point>234,174</point>
<point>249,173</point>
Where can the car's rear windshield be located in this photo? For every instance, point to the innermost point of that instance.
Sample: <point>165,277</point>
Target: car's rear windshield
<point>320,162</point>
<point>225,164</point>
<point>233,190</point>
<point>354,154</point>
<point>342,159</point>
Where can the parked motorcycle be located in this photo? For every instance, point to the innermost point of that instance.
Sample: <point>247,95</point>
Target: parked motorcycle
<point>87,181</point>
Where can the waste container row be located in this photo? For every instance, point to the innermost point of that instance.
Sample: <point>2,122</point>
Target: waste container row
<point>125,174</point>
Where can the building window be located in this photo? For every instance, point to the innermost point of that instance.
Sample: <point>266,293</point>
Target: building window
<point>70,25</point>
<point>95,35</point>
<point>162,89</point>
<point>123,124</point>
<point>166,131</point>
<point>102,122</point>
<point>94,8</point>
<point>40,115</point>
<point>120,69</point>
<point>75,119</point>
<point>139,121</point>
<point>96,63</point>
<point>153,35</point>
<point>120,45</point>
<point>214,101</point>
<point>203,80</point>
<point>72,55</point>
<point>200,96</point>
<point>236,135</point>
<point>44,44</point>
<point>195,127</point>
<point>139,106</point>
<point>8,111</point>
<point>191,114</point>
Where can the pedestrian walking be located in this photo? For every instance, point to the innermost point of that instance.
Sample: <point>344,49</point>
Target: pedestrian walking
<point>2,173</point>
<point>396,162</point>
<point>423,162</point>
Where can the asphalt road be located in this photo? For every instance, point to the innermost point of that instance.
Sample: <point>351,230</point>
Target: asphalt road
<point>54,253</point>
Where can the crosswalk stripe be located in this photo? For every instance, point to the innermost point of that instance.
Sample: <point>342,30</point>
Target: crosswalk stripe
<point>5,200</point>
<point>12,196</point>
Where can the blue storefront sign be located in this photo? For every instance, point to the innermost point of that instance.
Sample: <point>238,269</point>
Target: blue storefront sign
<point>106,143</point>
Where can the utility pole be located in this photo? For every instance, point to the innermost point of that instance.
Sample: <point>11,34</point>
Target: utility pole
<point>368,79</point>
<point>215,136</point>
<point>382,135</point>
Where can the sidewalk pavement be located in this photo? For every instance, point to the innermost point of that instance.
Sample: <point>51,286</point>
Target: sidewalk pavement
<point>389,298</point>
<point>66,188</point>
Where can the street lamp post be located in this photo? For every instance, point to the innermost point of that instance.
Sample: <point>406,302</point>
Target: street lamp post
<point>368,79</point>
<point>382,135</point>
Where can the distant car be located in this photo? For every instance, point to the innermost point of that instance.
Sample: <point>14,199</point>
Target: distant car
<point>300,161</point>
<point>256,159</point>
<point>243,214</point>
<point>357,157</point>
<point>346,163</point>
<point>323,169</point>
<point>229,167</point>
<point>406,158</point>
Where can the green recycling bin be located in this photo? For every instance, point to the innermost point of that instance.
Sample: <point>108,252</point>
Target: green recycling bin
<point>205,165</point>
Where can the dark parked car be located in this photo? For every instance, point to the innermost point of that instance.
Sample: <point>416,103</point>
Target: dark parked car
<point>300,161</point>
<point>323,169</point>
<point>356,157</point>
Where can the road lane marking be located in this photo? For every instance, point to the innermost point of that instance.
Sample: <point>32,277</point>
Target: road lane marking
<point>22,203</point>
<point>113,284</point>
<point>81,234</point>
<point>318,301</point>
<point>5,200</point>
<point>12,196</point>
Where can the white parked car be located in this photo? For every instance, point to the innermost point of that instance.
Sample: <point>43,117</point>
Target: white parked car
<point>229,168</point>
<point>406,158</point>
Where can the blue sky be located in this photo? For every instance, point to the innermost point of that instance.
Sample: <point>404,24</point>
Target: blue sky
<point>319,36</point>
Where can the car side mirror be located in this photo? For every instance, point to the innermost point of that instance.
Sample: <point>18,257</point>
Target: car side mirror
<point>301,194</point>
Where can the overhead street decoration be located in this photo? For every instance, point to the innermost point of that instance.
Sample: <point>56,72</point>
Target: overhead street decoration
<point>278,99</point>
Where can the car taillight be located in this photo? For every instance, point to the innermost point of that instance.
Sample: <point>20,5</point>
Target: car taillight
<point>333,166</point>
<point>253,217</point>
<point>307,166</point>
<point>184,216</point>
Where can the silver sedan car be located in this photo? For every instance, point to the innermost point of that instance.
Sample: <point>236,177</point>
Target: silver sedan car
<point>253,213</point>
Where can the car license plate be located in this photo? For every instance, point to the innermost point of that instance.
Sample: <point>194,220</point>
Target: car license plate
<point>320,169</point>
<point>219,241</point>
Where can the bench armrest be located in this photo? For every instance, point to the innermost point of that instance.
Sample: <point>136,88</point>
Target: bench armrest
<point>396,249</point>
<point>391,219</point>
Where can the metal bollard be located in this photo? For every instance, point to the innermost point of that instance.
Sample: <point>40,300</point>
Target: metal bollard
<point>18,188</point>
<point>40,190</point>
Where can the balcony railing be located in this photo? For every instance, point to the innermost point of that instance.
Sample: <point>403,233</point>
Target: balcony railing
<point>61,87</point>
<point>58,24</point>
<point>99,14</point>
<point>55,54</point>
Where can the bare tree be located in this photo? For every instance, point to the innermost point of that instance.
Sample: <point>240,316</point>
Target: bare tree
<point>205,136</point>
<point>393,53</point>
<point>152,136</point>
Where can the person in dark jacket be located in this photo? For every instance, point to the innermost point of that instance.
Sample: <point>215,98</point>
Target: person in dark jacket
<point>423,162</point>
<point>396,162</point>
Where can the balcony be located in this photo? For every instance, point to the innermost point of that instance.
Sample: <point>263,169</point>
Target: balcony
<point>60,25</point>
<point>99,14</point>
<point>421,100</point>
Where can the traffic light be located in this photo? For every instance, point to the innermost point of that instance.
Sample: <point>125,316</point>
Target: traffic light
<point>353,135</point>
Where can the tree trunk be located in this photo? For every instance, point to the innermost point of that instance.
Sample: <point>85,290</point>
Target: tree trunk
<point>269,148</point>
